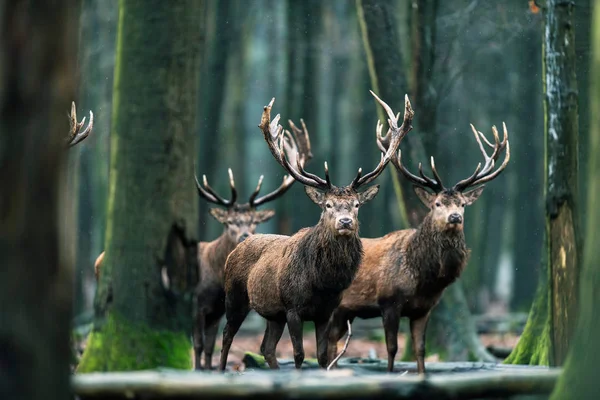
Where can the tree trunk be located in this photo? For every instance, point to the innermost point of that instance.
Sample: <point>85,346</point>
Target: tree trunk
<point>562,242</point>
<point>143,305</point>
<point>210,106</point>
<point>97,64</point>
<point>37,62</point>
<point>580,378</point>
<point>387,76</point>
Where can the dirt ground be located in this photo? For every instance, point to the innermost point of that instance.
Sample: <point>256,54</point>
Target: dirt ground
<point>358,347</point>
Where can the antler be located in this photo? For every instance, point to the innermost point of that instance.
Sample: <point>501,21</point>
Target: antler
<point>389,143</point>
<point>485,174</point>
<point>209,194</point>
<point>76,135</point>
<point>297,150</point>
<point>276,140</point>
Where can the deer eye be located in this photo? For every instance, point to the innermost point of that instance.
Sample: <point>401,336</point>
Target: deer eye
<point>438,204</point>
<point>328,205</point>
<point>357,204</point>
<point>464,205</point>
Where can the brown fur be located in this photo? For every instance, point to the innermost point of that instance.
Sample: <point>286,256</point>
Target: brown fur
<point>404,273</point>
<point>292,279</point>
<point>240,221</point>
<point>98,265</point>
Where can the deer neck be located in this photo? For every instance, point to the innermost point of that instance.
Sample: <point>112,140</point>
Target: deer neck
<point>438,256</point>
<point>217,251</point>
<point>331,260</point>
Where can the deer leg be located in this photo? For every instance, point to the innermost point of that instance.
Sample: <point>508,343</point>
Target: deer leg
<point>322,337</point>
<point>417,331</point>
<point>295,328</point>
<point>234,321</point>
<point>199,338</point>
<point>391,320</point>
<point>337,329</point>
<point>270,340</point>
<point>210,336</point>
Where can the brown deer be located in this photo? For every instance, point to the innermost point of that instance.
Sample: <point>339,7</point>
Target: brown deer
<point>404,273</point>
<point>292,279</point>
<point>240,221</point>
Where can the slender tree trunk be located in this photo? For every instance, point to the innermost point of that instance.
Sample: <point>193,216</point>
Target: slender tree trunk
<point>580,377</point>
<point>97,63</point>
<point>210,105</point>
<point>387,77</point>
<point>37,83</point>
<point>562,242</point>
<point>143,305</point>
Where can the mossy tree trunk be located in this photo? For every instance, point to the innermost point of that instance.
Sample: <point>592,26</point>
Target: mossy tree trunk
<point>37,83</point>
<point>562,242</point>
<point>580,377</point>
<point>451,331</point>
<point>143,304</point>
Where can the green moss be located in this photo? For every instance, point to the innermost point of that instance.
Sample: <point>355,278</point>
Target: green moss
<point>534,345</point>
<point>253,360</point>
<point>123,346</point>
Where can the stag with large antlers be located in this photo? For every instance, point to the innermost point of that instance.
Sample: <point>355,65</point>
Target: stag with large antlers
<point>292,279</point>
<point>240,221</point>
<point>404,273</point>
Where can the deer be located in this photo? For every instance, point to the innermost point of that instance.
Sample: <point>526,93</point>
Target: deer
<point>240,221</point>
<point>298,278</point>
<point>404,273</point>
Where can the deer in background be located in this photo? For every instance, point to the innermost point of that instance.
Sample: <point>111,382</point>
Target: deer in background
<point>404,273</point>
<point>292,279</point>
<point>240,221</point>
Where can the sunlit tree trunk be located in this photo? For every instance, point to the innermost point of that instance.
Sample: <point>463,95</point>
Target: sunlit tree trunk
<point>143,305</point>
<point>450,336</point>
<point>580,378</point>
<point>38,46</point>
<point>561,272</point>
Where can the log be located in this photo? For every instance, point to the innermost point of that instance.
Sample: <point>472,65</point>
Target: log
<point>336,384</point>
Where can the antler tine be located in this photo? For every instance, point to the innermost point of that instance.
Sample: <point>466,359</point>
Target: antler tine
<point>76,135</point>
<point>272,130</point>
<point>486,174</point>
<point>232,185</point>
<point>408,175</point>
<point>257,190</point>
<point>302,138</point>
<point>395,134</point>
<point>209,194</point>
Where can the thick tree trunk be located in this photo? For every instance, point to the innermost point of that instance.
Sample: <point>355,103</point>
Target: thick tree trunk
<point>387,77</point>
<point>37,83</point>
<point>143,305</point>
<point>580,378</point>
<point>562,242</point>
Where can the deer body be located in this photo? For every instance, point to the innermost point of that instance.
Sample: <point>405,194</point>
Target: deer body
<point>292,279</point>
<point>404,273</point>
<point>240,222</point>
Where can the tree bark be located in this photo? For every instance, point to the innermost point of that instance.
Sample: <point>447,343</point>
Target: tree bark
<point>37,83</point>
<point>387,77</point>
<point>562,241</point>
<point>144,302</point>
<point>580,379</point>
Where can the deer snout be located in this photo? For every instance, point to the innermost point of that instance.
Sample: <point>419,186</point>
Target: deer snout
<point>455,218</point>
<point>345,223</point>
<point>243,237</point>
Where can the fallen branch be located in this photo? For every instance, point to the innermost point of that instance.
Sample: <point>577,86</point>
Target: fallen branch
<point>348,336</point>
<point>313,383</point>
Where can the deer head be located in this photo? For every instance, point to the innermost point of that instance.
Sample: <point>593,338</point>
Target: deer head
<point>447,205</point>
<point>339,205</point>
<point>241,220</point>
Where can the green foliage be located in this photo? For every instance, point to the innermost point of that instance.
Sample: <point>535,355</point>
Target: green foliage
<point>122,346</point>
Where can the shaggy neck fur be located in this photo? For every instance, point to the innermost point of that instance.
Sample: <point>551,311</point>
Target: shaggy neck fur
<point>437,256</point>
<point>330,261</point>
<point>217,251</point>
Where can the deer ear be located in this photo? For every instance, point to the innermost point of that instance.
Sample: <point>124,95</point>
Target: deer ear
<point>263,216</point>
<point>316,196</point>
<point>425,197</point>
<point>219,214</point>
<point>473,195</point>
<point>368,194</point>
